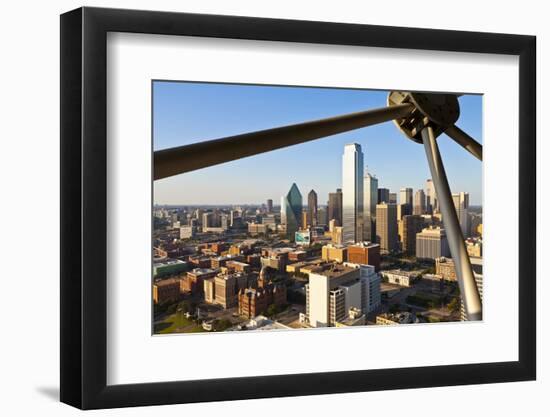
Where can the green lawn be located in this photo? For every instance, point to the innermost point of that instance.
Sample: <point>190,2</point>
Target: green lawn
<point>177,323</point>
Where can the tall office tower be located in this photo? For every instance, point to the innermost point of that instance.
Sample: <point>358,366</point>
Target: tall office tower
<point>322,217</point>
<point>462,204</point>
<point>431,197</point>
<point>403,210</point>
<point>419,206</point>
<point>352,193</point>
<point>410,226</point>
<point>406,196</point>
<point>370,194</point>
<point>207,220</point>
<point>335,206</point>
<point>312,208</point>
<point>383,195</point>
<point>269,205</point>
<point>432,243</point>
<point>393,198</point>
<point>291,211</point>
<point>386,226</point>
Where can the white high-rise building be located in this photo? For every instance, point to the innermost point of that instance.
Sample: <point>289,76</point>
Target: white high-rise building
<point>332,293</point>
<point>370,193</point>
<point>352,193</point>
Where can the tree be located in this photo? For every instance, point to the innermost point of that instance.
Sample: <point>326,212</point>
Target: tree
<point>271,310</point>
<point>454,305</point>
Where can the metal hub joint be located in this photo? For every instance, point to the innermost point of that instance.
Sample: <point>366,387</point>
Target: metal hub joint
<point>439,111</point>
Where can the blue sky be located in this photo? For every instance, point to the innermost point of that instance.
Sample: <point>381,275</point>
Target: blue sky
<point>187,112</point>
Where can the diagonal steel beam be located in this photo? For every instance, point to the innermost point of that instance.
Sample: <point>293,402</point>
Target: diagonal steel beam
<point>187,158</point>
<point>466,141</point>
<point>464,272</point>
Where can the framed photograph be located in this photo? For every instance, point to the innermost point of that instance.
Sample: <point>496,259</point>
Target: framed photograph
<point>261,208</point>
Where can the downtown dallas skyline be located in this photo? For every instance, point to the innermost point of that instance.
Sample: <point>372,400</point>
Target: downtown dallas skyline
<point>185,113</point>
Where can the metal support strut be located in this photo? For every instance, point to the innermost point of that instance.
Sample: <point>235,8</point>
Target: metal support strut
<point>465,275</point>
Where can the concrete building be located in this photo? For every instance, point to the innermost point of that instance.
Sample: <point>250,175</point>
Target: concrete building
<point>337,236</point>
<point>409,227</point>
<point>335,289</point>
<point>419,205</point>
<point>445,268</point>
<point>365,253</point>
<point>169,267</point>
<point>331,252</point>
<point>399,318</point>
<point>187,232</point>
<point>432,243</point>
<point>193,281</point>
<point>399,277</point>
<point>386,226</point>
<point>352,193</point>
<point>474,246</point>
<point>166,290</point>
<point>370,200</point>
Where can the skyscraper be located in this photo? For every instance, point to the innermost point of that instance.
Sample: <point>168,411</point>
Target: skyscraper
<point>269,205</point>
<point>393,198</point>
<point>462,204</point>
<point>335,207</point>
<point>410,227</point>
<point>352,193</point>
<point>406,196</point>
<point>291,211</point>
<point>383,195</point>
<point>386,226</point>
<point>431,197</point>
<point>370,194</point>
<point>419,206</point>
<point>312,208</point>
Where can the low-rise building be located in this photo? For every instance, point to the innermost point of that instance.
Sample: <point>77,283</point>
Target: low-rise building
<point>432,243</point>
<point>400,277</point>
<point>365,253</point>
<point>166,290</point>
<point>398,318</point>
<point>445,268</point>
<point>193,281</point>
<point>169,267</point>
<point>331,252</point>
<point>256,301</point>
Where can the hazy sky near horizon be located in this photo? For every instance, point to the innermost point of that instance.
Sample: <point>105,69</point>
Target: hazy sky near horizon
<point>185,112</point>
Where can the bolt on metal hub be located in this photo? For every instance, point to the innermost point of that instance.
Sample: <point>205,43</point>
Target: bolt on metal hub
<point>439,111</point>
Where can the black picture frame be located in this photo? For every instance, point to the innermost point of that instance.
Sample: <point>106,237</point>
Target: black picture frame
<point>84,207</point>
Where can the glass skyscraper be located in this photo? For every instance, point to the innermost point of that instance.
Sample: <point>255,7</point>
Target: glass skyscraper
<point>352,193</point>
<point>291,211</point>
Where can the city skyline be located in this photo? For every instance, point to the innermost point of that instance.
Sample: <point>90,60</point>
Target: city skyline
<point>275,171</point>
